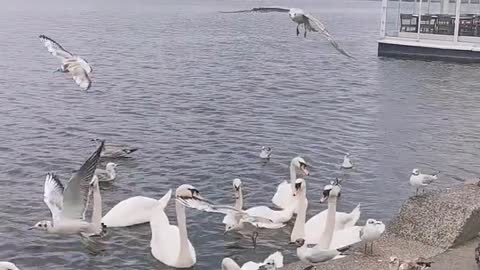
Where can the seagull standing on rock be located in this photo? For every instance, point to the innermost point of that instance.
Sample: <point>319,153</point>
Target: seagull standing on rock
<point>300,17</point>
<point>419,180</point>
<point>372,231</point>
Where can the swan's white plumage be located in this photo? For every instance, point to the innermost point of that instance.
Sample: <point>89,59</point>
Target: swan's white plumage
<point>277,216</point>
<point>8,266</point>
<point>133,211</point>
<point>165,243</point>
<point>345,237</point>
<point>169,243</point>
<point>315,226</point>
<point>283,196</point>
<point>276,258</point>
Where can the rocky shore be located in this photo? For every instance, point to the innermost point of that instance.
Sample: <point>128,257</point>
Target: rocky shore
<point>441,225</point>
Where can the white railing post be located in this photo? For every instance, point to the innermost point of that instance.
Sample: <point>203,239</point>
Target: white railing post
<point>419,23</point>
<point>383,20</point>
<point>457,21</point>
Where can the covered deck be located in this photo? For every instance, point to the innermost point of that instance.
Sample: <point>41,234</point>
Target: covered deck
<point>445,29</point>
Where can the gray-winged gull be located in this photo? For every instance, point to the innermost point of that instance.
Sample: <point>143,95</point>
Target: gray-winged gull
<point>78,67</point>
<point>300,17</point>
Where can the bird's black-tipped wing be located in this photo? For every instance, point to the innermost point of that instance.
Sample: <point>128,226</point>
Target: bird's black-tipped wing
<point>316,25</point>
<point>260,9</point>
<point>75,193</point>
<point>55,48</point>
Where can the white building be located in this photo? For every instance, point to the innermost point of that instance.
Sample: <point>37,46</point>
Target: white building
<point>431,29</point>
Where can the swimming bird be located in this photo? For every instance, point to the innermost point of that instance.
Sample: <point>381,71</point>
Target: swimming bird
<point>67,204</point>
<point>477,254</point>
<point>329,229</point>
<point>300,17</point>
<point>133,211</point>
<point>316,254</point>
<point>109,174</point>
<point>266,152</point>
<point>347,164</point>
<point>272,262</point>
<point>235,222</point>
<point>420,180</point>
<point>170,244</point>
<point>8,266</point>
<point>115,150</point>
<point>78,67</point>
<point>283,198</point>
<point>372,231</point>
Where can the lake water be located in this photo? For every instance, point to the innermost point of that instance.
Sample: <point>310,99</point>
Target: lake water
<point>200,92</point>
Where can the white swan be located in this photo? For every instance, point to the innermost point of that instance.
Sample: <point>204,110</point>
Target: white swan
<point>347,164</point>
<point>419,180</point>
<point>133,211</point>
<point>96,220</point>
<point>372,231</point>
<point>272,262</point>
<point>230,220</point>
<point>109,174</point>
<point>67,205</point>
<point>315,226</point>
<point>315,254</point>
<point>322,228</point>
<point>8,266</point>
<point>170,244</point>
<point>284,195</point>
<point>234,221</point>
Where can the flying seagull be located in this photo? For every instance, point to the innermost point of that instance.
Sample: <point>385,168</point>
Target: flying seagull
<point>78,67</point>
<point>310,23</point>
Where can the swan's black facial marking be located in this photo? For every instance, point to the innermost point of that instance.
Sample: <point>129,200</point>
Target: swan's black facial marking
<point>303,165</point>
<point>237,188</point>
<point>299,242</point>
<point>298,186</point>
<point>371,222</point>
<point>194,192</point>
<point>326,192</point>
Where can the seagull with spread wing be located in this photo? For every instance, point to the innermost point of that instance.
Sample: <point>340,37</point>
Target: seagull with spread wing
<point>78,67</point>
<point>310,23</point>
<point>238,215</point>
<point>67,204</point>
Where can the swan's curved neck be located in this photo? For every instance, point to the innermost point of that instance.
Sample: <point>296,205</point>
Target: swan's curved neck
<point>298,230</point>
<point>97,209</point>
<point>229,264</point>
<point>293,174</point>
<point>239,199</point>
<point>330,223</point>
<point>184,254</point>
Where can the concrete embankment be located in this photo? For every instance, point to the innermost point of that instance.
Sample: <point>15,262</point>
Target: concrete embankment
<point>442,226</point>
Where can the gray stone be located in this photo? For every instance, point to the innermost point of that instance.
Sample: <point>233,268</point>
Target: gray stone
<point>443,219</point>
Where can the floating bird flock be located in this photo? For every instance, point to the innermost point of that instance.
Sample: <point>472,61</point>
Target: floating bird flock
<point>331,232</point>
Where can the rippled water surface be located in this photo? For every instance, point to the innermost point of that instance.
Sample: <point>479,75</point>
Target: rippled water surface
<point>199,92</point>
